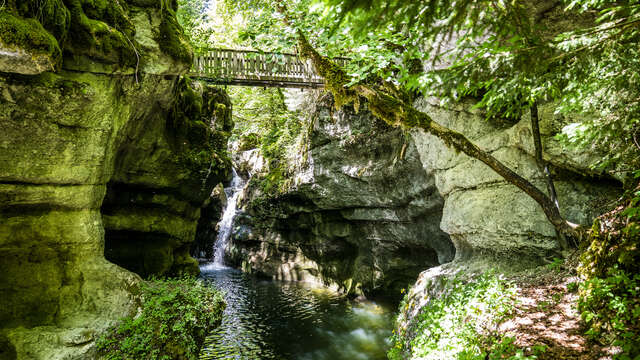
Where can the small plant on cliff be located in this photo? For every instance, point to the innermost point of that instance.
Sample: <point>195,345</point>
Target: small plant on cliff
<point>176,316</point>
<point>461,324</point>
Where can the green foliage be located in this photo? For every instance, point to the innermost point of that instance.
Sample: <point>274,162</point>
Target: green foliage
<point>176,316</point>
<point>210,23</point>
<point>609,300</point>
<point>461,323</point>
<point>263,121</point>
<point>249,141</point>
<point>556,264</point>
<point>273,182</point>
<point>610,306</point>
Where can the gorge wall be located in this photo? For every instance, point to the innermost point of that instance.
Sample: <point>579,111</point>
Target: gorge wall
<point>492,223</point>
<point>100,142</point>
<point>371,207</point>
<point>363,215</point>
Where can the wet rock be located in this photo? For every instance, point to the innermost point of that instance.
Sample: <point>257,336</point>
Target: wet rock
<point>207,231</point>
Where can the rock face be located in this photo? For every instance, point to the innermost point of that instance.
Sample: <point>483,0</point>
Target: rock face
<point>207,232</point>
<point>489,218</point>
<point>153,202</point>
<point>363,214</point>
<point>491,223</point>
<point>130,154</point>
<point>373,207</point>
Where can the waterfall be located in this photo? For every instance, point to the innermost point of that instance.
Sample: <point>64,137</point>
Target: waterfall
<point>225,226</point>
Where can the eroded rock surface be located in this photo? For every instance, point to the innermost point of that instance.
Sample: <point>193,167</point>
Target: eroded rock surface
<point>486,216</point>
<point>363,214</point>
<point>372,206</point>
<point>117,145</point>
<point>162,178</point>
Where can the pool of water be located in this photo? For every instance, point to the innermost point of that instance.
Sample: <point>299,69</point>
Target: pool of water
<point>291,321</point>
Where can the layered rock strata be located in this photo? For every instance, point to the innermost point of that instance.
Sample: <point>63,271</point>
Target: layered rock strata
<point>97,135</point>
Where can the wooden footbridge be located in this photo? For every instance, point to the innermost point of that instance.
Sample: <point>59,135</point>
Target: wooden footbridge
<point>253,68</point>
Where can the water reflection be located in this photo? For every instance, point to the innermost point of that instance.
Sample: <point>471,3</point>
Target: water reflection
<point>278,320</point>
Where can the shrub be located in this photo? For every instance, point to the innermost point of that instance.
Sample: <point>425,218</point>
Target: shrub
<point>176,316</point>
<point>462,323</point>
<point>610,306</point>
<point>609,300</point>
<point>249,141</point>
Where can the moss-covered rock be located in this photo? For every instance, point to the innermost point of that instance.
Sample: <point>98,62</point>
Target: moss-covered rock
<point>81,153</point>
<point>27,45</point>
<point>84,153</point>
<point>100,31</point>
<point>171,38</point>
<point>153,203</point>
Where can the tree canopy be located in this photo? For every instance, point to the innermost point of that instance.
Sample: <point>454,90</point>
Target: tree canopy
<point>580,54</point>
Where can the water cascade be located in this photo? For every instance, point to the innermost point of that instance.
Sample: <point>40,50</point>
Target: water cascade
<point>225,226</point>
<point>273,320</point>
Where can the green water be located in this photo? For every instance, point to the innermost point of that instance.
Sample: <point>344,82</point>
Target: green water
<point>280,320</point>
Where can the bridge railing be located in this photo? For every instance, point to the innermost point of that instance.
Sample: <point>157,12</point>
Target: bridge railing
<point>245,67</point>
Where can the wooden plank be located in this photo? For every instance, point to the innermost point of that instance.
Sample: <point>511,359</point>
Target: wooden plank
<point>214,62</point>
<point>234,67</point>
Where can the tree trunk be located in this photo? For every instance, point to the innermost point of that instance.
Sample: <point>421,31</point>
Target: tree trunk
<point>386,105</point>
<point>544,167</point>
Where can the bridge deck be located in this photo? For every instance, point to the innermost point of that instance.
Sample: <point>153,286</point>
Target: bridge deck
<point>252,68</point>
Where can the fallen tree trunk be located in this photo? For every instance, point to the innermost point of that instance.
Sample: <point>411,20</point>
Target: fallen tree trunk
<point>385,103</point>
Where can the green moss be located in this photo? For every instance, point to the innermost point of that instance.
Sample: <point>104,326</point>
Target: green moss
<point>101,29</point>
<point>172,40</point>
<point>98,29</point>
<point>35,25</point>
<point>335,78</point>
<point>249,141</point>
<point>200,149</point>
<point>28,34</point>
<point>52,14</point>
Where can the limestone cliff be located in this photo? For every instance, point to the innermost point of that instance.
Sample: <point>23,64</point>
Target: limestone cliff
<point>363,214</point>
<point>97,136</point>
<point>372,207</point>
<point>162,176</point>
<point>491,223</point>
